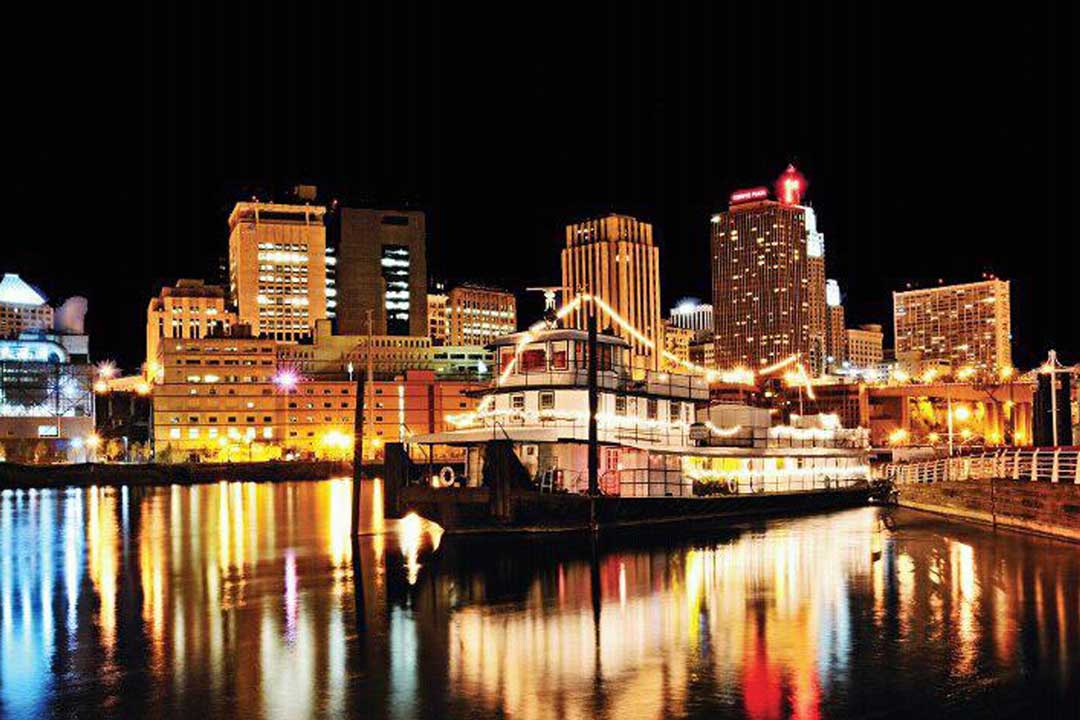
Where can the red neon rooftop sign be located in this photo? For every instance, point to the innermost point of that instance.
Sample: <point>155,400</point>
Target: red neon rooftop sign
<point>749,194</point>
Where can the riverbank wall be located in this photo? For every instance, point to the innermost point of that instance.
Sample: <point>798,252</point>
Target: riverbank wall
<point>1043,508</point>
<point>15,476</point>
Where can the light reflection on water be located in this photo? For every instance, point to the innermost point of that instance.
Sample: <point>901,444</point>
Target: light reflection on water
<point>254,600</point>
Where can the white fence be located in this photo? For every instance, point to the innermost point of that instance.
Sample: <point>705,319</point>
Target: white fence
<point>1057,465</point>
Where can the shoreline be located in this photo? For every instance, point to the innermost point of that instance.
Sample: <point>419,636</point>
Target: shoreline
<point>15,476</point>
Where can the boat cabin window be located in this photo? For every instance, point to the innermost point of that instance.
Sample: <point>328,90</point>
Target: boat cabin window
<point>620,404</point>
<point>558,355</point>
<point>517,402</point>
<point>674,411</point>
<point>532,360</point>
<point>547,401</point>
<point>651,408</point>
<point>581,352</point>
<point>506,356</point>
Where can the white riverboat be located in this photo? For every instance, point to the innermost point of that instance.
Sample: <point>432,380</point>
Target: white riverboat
<point>658,434</point>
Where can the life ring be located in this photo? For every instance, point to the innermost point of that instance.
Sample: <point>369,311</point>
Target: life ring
<point>443,479</point>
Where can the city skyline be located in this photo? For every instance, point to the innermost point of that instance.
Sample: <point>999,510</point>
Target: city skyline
<point>491,155</point>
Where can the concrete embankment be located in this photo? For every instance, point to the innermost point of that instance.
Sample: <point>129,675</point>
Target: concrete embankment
<point>1038,507</point>
<point>13,475</point>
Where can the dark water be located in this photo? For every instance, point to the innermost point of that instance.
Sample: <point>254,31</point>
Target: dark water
<point>240,600</point>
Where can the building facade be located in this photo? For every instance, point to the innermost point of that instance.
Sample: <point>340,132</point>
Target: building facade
<point>761,282</point>
<point>190,309</point>
<point>381,268</point>
<point>477,315</point>
<point>693,315</point>
<point>237,398</point>
<point>22,307</point>
<point>614,258</point>
<point>703,353</point>
<point>962,325</point>
<point>864,346</point>
<point>835,328</point>
<point>277,268</point>
<point>438,327</point>
<point>816,294</point>
<point>677,341</point>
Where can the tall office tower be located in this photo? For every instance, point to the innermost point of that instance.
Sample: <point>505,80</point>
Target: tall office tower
<point>815,266</point>
<point>477,315</point>
<point>438,326</point>
<point>835,335</point>
<point>190,310</point>
<point>963,325</point>
<point>614,258</point>
<point>693,315</point>
<point>277,268</point>
<point>381,267</point>
<point>864,346</point>
<point>762,278</point>
<point>22,307</point>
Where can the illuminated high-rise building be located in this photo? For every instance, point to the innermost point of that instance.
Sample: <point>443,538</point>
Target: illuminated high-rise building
<point>835,335</point>
<point>277,268</point>
<point>614,258</point>
<point>963,325</point>
<point>768,278</point>
<point>818,312</point>
<point>381,268</point>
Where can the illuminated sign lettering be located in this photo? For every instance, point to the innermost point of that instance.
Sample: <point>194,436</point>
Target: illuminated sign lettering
<point>748,195</point>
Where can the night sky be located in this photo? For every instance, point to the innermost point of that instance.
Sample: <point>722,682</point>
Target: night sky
<point>938,142</point>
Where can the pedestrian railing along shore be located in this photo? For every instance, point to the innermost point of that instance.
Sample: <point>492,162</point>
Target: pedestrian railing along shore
<point>1056,465</point>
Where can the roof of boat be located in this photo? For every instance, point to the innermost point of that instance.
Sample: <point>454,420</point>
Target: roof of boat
<point>548,334</point>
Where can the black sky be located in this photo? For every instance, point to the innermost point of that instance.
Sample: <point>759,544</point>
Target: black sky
<point>939,142</point>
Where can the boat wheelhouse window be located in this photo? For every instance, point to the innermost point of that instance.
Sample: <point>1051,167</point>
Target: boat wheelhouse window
<point>620,404</point>
<point>674,411</point>
<point>558,355</point>
<point>506,356</point>
<point>582,354</point>
<point>650,408</point>
<point>533,360</point>
<point>517,402</point>
<point>547,401</point>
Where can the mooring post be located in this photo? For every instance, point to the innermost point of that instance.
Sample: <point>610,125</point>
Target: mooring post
<point>594,401</point>
<point>358,454</point>
<point>594,450</point>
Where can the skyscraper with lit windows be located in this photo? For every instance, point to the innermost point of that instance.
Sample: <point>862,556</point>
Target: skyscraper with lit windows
<point>967,324</point>
<point>614,258</point>
<point>277,268</point>
<point>768,279</point>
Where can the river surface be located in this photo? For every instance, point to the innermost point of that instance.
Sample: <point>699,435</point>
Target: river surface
<point>244,600</point>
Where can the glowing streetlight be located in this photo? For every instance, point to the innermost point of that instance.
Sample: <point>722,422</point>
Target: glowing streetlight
<point>106,370</point>
<point>286,380</point>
